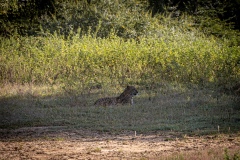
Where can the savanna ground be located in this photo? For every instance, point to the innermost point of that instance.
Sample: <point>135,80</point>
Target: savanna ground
<point>59,143</point>
<point>173,122</point>
<point>58,57</point>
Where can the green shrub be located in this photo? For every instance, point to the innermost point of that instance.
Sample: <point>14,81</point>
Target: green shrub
<point>173,56</point>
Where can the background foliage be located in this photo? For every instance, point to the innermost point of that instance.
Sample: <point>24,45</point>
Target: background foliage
<point>99,42</point>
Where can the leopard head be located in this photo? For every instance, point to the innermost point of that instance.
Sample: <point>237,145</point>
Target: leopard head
<point>131,90</point>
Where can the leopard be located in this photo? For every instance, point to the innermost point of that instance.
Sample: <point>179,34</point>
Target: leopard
<point>126,97</point>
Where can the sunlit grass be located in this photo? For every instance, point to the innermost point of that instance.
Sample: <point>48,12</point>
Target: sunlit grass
<point>173,55</point>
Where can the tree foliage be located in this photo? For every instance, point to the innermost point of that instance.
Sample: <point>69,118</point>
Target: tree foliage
<point>23,15</point>
<point>228,11</point>
<point>26,17</point>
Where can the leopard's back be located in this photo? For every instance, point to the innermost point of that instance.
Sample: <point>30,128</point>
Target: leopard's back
<point>107,101</point>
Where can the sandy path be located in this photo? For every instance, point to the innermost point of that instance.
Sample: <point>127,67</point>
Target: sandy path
<point>38,143</point>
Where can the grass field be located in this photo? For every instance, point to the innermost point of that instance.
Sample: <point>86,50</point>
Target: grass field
<point>170,107</point>
<point>171,121</point>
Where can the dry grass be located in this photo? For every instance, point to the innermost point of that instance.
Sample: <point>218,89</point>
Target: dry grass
<point>213,154</point>
<point>53,143</point>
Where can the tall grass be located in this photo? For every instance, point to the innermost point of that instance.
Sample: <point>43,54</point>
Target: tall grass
<point>172,55</point>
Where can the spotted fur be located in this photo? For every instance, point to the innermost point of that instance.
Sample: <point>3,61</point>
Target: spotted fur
<point>124,98</point>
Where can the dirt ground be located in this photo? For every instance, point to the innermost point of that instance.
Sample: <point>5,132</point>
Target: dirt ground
<point>57,143</point>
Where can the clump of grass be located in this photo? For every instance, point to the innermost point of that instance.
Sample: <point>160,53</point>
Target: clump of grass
<point>234,156</point>
<point>94,150</point>
<point>206,154</point>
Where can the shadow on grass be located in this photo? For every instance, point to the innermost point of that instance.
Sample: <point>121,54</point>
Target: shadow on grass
<point>187,111</point>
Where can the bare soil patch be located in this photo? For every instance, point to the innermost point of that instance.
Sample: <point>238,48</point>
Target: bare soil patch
<point>63,143</point>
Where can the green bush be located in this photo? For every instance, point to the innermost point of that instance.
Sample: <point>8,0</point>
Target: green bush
<point>172,56</point>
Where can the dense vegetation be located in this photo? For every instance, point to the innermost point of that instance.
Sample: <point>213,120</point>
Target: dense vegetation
<point>177,57</point>
<point>101,42</point>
